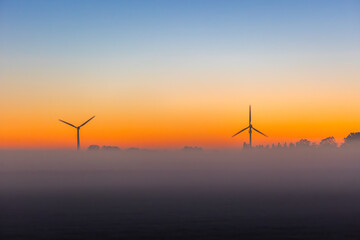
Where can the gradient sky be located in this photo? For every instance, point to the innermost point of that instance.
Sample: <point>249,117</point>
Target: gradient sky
<point>172,73</point>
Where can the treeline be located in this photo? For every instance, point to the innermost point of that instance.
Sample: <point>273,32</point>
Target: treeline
<point>116,148</point>
<point>352,140</point>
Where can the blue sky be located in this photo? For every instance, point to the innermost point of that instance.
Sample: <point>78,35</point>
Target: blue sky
<point>147,27</point>
<point>178,36</point>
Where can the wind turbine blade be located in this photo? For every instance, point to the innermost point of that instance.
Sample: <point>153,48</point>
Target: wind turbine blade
<point>86,122</point>
<point>240,131</point>
<point>249,114</point>
<point>259,131</point>
<point>67,123</point>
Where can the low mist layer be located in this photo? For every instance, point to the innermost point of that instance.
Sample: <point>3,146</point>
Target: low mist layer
<point>258,170</point>
<point>253,194</point>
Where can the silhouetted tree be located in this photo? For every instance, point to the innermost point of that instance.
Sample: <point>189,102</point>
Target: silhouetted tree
<point>111,148</point>
<point>303,143</point>
<point>189,148</point>
<point>93,147</point>
<point>285,145</point>
<point>352,139</point>
<point>291,145</point>
<point>132,149</point>
<point>328,142</point>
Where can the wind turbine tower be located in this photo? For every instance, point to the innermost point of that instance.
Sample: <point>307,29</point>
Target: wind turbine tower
<point>250,127</point>
<point>77,130</point>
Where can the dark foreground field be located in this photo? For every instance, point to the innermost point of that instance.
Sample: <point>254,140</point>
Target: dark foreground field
<point>189,196</point>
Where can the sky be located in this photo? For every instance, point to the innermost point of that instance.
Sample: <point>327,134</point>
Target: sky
<point>166,74</point>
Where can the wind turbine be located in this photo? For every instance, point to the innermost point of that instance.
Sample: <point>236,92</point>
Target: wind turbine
<point>250,127</point>
<point>77,130</point>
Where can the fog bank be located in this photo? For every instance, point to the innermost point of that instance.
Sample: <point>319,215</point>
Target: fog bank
<point>334,170</point>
